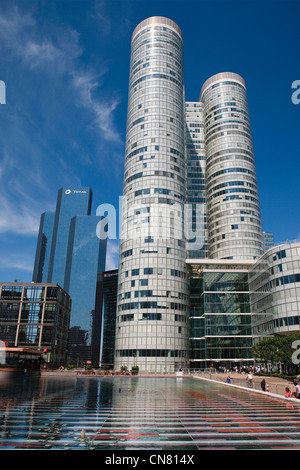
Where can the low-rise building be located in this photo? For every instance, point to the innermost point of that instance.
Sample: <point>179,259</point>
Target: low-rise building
<point>34,317</point>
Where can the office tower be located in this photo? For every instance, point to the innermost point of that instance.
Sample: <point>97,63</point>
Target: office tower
<point>110,289</point>
<point>196,181</point>
<point>152,316</point>
<point>70,203</point>
<point>41,264</point>
<point>234,223</point>
<point>75,258</point>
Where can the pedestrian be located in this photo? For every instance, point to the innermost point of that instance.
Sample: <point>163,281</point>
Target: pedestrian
<point>263,385</point>
<point>287,392</point>
<point>267,388</point>
<point>228,379</point>
<point>249,379</point>
<point>297,391</point>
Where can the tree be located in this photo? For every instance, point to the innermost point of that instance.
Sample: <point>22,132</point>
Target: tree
<point>277,349</point>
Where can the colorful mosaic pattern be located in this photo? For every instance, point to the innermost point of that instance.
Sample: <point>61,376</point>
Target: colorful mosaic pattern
<point>142,413</point>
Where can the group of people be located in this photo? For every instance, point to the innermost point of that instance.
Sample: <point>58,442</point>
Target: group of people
<point>266,388</point>
<point>295,394</point>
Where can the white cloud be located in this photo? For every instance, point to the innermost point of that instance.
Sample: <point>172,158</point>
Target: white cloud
<point>57,51</point>
<point>18,218</point>
<point>84,83</point>
<point>40,148</point>
<point>19,261</point>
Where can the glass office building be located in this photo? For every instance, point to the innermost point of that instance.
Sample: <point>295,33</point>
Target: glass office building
<point>74,259</point>
<point>196,181</point>
<point>43,249</point>
<point>220,314</point>
<point>152,312</point>
<point>35,318</point>
<point>110,289</point>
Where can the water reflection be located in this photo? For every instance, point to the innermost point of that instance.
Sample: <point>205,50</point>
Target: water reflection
<point>139,413</point>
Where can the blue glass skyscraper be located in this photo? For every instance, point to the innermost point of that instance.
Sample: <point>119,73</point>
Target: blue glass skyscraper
<point>70,253</point>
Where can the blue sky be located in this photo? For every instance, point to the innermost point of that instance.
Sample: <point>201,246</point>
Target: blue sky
<point>65,64</point>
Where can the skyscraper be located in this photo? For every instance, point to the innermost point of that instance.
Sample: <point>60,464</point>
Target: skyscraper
<point>152,316</point>
<point>110,288</point>
<point>196,180</point>
<point>70,254</point>
<point>190,197</point>
<point>234,221</point>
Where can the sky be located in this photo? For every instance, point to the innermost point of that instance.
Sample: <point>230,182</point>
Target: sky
<point>65,66</point>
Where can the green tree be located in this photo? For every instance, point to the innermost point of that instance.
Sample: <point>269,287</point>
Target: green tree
<point>277,349</point>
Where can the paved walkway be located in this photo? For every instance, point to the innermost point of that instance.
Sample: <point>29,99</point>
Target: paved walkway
<point>276,385</point>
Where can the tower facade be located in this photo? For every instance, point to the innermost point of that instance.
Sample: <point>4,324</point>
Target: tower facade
<point>70,253</point>
<point>234,222</point>
<point>152,311</point>
<point>196,181</point>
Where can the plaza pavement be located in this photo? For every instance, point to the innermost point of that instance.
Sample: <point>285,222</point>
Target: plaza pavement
<point>276,385</point>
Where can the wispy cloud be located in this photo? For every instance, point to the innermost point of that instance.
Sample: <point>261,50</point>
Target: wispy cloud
<point>17,261</point>
<point>58,49</point>
<point>40,145</point>
<point>103,110</point>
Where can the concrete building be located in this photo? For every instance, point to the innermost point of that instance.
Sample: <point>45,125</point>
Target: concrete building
<point>152,316</point>
<point>268,240</point>
<point>234,221</point>
<point>275,292</point>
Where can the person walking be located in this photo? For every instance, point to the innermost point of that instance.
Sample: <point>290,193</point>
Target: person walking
<point>249,379</point>
<point>297,391</point>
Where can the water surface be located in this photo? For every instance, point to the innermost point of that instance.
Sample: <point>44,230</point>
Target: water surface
<point>133,413</point>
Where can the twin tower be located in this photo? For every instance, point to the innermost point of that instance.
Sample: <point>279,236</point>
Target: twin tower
<point>190,190</point>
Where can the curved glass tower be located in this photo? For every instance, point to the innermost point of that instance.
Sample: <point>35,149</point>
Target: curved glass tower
<point>234,222</point>
<point>152,312</point>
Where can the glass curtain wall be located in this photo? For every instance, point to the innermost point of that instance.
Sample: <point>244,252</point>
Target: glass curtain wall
<point>220,319</point>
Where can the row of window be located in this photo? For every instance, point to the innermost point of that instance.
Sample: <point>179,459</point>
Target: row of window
<point>231,170</point>
<point>154,76</point>
<point>151,305</point>
<point>145,191</point>
<point>151,353</point>
<point>235,190</point>
<point>145,316</point>
<point>223,155</point>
